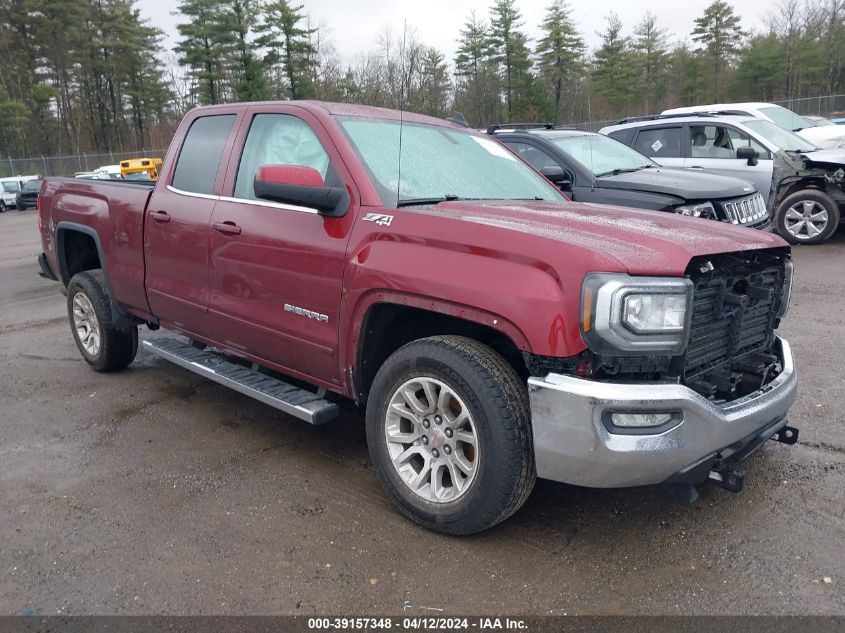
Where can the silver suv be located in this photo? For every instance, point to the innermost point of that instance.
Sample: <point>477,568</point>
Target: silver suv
<point>803,185</point>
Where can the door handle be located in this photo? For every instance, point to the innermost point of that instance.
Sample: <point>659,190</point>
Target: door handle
<point>228,227</point>
<point>160,216</point>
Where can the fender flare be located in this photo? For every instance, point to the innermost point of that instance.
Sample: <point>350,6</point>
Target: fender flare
<point>119,316</point>
<point>353,352</point>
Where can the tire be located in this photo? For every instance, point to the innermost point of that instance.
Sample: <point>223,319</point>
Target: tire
<point>793,217</point>
<point>21,207</point>
<point>2,207</point>
<point>479,382</point>
<point>90,316</point>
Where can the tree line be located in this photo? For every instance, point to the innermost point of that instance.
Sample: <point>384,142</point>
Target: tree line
<point>93,75</point>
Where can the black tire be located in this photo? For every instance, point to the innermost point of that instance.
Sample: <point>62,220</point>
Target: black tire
<point>21,207</point>
<point>817,198</point>
<point>496,398</point>
<point>2,206</point>
<point>117,347</point>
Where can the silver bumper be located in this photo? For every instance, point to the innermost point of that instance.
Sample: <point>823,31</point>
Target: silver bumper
<point>573,445</point>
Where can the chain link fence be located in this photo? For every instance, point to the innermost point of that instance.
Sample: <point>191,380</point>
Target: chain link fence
<point>828,105</point>
<point>69,165</point>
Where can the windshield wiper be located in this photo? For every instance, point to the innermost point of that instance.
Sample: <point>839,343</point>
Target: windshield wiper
<point>619,170</point>
<point>410,202</point>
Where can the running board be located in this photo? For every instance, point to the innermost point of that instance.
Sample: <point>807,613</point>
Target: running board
<point>295,401</point>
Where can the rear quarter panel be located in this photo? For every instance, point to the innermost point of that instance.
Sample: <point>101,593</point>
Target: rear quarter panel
<point>115,213</point>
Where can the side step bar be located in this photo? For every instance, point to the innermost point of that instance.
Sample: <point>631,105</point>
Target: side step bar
<point>300,403</point>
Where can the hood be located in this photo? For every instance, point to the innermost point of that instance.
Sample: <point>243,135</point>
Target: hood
<point>682,183</point>
<point>834,156</point>
<point>601,237</point>
<point>825,136</point>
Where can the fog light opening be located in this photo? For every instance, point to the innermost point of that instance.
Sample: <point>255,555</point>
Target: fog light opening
<point>641,420</point>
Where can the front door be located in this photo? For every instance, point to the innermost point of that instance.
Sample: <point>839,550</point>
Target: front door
<point>662,144</point>
<point>277,270</point>
<point>712,149</point>
<point>176,239</point>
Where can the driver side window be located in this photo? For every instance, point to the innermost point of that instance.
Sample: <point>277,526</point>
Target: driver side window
<point>278,139</point>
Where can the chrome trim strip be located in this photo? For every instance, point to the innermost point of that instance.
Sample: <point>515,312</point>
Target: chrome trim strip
<point>259,203</point>
<point>272,205</point>
<point>191,194</point>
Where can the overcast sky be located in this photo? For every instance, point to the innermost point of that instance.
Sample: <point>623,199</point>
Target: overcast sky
<point>355,24</point>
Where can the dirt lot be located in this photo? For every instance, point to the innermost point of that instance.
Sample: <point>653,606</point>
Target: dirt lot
<point>155,491</point>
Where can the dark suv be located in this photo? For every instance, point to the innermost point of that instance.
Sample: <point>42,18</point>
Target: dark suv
<point>595,168</point>
<point>28,195</point>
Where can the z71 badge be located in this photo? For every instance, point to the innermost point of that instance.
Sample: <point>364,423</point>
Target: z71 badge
<point>378,218</point>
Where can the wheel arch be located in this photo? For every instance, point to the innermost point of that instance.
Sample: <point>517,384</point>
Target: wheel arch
<point>385,321</point>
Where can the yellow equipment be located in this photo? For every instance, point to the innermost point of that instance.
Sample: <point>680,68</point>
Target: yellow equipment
<point>140,168</point>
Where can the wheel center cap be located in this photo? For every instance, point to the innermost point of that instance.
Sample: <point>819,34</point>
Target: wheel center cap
<point>437,438</point>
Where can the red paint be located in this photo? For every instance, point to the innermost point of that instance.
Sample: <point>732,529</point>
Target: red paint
<point>289,175</point>
<point>516,267</point>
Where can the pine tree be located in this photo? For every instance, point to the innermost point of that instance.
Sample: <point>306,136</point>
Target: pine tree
<point>477,81</point>
<point>560,51</point>
<point>613,76</point>
<point>202,47</point>
<point>510,48</point>
<point>719,35</point>
<point>239,19</point>
<point>289,46</point>
<point>650,53</point>
<point>434,85</point>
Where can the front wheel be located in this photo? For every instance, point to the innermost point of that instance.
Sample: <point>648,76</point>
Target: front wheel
<point>448,428</point>
<point>807,217</point>
<point>102,345</point>
<point>2,206</point>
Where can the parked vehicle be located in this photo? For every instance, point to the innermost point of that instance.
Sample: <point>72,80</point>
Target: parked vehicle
<point>9,188</point>
<point>28,195</point>
<point>595,168</point>
<point>820,136</point>
<point>140,168</point>
<point>495,331</point>
<point>106,172</point>
<point>805,185</point>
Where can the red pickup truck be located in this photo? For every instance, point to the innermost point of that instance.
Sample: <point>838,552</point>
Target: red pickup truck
<point>494,331</point>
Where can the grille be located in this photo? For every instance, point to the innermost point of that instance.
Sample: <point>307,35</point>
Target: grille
<point>747,210</point>
<point>735,304</point>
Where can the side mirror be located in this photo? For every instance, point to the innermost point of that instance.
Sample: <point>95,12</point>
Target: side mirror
<point>559,177</point>
<point>748,153</point>
<point>302,186</point>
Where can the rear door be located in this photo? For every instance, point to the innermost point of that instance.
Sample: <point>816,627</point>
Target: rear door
<point>661,143</point>
<point>277,270</point>
<point>712,149</point>
<point>176,226</point>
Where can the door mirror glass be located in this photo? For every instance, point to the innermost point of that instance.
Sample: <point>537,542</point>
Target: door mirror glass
<point>749,154</point>
<point>557,175</point>
<point>301,186</point>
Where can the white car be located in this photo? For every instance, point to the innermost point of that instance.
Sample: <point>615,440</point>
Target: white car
<point>823,136</point>
<point>9,188</point>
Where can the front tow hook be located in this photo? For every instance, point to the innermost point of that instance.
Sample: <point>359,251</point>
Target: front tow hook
<point>786,435</point>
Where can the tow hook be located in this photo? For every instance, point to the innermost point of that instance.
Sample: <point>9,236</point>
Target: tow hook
<point>727,478</point>
<point>786,435</point>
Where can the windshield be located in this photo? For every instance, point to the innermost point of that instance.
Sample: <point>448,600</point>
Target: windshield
<point>440,162</point>
<point>32,185</point>
<point>783,139</point>
<point>602,155</point>
<point>785,118</point>
<point>11,186</point>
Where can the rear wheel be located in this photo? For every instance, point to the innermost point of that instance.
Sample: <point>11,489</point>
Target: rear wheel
<point>2,206</point>
<point>448,427</point>
<point>102,345</point>
<point>807,217</point>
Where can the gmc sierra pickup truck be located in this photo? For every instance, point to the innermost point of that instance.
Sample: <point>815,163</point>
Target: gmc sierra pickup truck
<point>495,332</point>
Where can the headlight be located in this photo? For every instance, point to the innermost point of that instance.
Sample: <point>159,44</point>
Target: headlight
<point>698,210</point>
<point>786,295</point>
<point>635,315</point>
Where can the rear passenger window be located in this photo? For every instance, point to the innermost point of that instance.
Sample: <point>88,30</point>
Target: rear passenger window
<point>202,150</point>
<point>662,142</point>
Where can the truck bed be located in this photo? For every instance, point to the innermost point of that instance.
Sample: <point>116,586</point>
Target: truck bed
<point>112,213</point>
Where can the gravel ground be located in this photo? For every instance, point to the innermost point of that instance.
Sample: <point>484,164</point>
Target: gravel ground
<point>154,491</point>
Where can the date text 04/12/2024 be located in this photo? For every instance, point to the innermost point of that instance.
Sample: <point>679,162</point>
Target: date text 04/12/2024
<point>419,623</point>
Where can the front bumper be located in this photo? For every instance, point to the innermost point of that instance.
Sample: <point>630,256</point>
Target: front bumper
<point>573,445</point>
